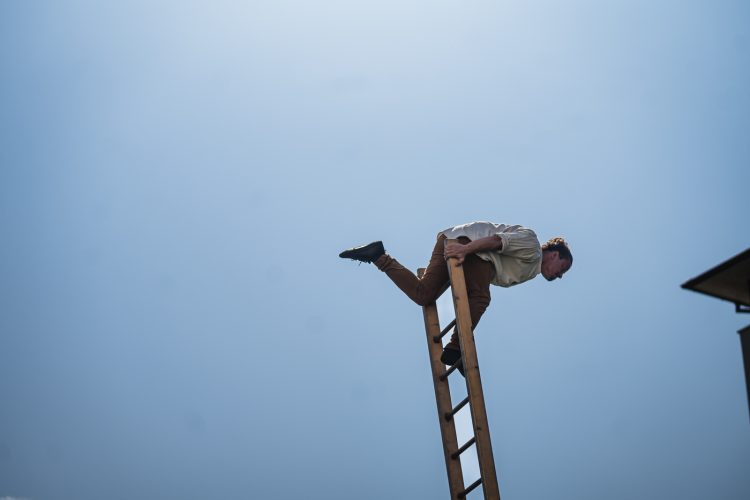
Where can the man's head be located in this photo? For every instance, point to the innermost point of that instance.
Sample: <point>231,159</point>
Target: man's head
<point>556,259</point>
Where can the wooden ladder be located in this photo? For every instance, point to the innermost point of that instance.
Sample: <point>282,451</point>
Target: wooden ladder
<point>475,398</point>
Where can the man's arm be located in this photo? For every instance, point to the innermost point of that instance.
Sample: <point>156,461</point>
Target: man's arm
<point>482,244</point>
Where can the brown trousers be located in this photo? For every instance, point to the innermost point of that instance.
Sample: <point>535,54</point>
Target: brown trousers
<point>478,274</point>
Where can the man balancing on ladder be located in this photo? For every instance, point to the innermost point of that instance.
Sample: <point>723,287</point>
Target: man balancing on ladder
<point>497,254</point>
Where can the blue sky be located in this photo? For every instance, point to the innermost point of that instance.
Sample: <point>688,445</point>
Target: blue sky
<point>178,179</point>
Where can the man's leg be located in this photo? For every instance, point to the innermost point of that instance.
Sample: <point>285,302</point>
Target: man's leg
<point>422,291</point>
<point>478,274</point>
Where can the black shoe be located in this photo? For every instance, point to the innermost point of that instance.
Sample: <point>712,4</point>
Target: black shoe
<point>366,253</point>
<point>450,356</point>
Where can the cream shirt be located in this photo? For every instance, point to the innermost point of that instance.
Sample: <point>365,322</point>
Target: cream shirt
<point>520,257</point>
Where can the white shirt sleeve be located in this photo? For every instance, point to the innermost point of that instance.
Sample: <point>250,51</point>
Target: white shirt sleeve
<point>519,242</point>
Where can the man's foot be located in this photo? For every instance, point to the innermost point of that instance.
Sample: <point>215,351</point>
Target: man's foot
<point>450,356</point>
<point>366,253</point>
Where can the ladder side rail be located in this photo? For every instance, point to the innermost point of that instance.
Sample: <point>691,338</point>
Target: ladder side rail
<point>488,474</point>
<point>443,400</point>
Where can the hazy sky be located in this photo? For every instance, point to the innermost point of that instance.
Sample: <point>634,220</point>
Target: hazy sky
<point>178,179</point>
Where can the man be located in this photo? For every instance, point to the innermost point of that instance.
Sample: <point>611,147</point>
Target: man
<point>496,254</point>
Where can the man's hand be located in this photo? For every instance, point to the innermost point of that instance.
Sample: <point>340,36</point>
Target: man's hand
<point>456,250</point>
<point>460,251</point>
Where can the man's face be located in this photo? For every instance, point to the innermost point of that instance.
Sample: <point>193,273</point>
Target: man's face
<point>553,267</point>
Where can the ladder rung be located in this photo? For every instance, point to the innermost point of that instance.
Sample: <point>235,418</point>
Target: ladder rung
<point>464,448</point>
<point>444,332</point>
<point>470,488</point>
<point>450,370</point>
<point>455,410</point>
